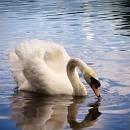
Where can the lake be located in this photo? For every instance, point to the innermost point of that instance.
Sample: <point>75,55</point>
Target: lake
<point>97,31</point>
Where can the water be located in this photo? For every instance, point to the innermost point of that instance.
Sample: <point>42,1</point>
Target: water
<point>96,31</point>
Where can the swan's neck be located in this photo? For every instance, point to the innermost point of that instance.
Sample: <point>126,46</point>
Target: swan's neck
<point>79,88</point>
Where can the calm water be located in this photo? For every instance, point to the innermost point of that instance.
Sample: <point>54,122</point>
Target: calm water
<point>97,31</point>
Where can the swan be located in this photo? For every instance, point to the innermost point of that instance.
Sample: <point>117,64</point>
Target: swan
<point>45,67</point>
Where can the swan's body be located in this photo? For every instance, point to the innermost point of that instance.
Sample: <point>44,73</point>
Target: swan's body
<point>45,67</point>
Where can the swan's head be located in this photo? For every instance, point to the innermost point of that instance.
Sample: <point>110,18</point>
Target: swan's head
<point>89,74</point>
<point>92,79</point>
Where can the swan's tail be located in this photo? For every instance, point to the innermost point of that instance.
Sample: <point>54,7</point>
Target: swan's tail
<point>15,62</point>
<point>17,71</point>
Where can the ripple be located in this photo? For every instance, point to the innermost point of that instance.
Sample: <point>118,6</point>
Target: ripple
<point>120,90</point>
<point>4,117</point>
<point>122,111</point>
<point>4,99</point>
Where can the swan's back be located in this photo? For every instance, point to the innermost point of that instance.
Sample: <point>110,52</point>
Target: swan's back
<point>54,55</point>
<point>39,63</point>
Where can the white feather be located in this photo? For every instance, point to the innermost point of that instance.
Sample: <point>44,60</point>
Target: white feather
<point>41,66</point>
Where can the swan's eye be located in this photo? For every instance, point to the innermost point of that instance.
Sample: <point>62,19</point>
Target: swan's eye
<point>95,82</point>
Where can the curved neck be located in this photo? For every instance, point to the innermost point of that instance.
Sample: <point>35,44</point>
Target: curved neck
<point>79,88</point>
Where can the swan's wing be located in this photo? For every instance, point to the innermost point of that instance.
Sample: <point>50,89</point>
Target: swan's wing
<point>28,75</point>
<point>56,58</point>
<point>44,65</point>
<point>53,55</point>
<point>30,50</point>
<point>17,71</point>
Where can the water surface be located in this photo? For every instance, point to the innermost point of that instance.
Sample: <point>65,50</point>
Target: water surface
<point>96,31</point>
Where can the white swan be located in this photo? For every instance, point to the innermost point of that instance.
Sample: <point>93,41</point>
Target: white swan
<point>45,67</point>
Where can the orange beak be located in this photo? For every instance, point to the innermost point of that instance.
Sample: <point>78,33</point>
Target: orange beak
<point>95,90</point>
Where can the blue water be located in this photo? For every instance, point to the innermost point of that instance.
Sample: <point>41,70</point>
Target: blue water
<point>96,31</point>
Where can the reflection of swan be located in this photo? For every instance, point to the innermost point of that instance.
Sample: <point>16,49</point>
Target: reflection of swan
<point>36,112</point>
<point>90,118</point>
<point>47,68</point>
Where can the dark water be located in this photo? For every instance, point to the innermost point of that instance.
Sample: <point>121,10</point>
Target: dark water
<point>97,31</point>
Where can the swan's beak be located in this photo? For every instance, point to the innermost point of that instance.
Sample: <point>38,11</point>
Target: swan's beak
<point>95,84</point>
<point>95,90</point>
